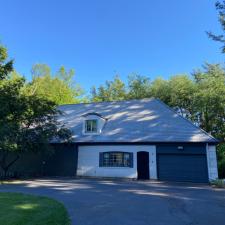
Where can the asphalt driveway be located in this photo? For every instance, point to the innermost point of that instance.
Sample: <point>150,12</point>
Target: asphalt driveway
<point>116,202</point>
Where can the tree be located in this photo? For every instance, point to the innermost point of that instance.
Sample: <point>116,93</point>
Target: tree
<point>160,89</point>
<point>220,6</point>
<point>209,99</point>
<point>27,122</point>
<point>138,86</point>
<point>59,88</point>
<point>5,67</point>
<point>221,159</point>
<point>182,90</point>
<point>111,91</point>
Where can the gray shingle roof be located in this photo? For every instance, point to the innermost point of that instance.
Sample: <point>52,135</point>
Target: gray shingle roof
<point>146,120</point>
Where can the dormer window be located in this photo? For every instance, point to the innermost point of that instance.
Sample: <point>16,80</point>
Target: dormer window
<point>91,126</point>
<point>93,123</point>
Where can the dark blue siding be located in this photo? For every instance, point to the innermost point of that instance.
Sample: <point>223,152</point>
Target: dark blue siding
<point>189,164</point>
<point>62,161</point>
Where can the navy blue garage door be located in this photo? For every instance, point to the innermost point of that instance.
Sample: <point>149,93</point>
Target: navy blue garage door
<point>175,167</point>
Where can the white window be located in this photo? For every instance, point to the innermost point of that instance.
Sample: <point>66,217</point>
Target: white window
<point>91,126</point>
<point>116,159</point>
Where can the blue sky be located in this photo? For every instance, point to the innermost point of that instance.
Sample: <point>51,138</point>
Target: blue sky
<point>101,38</point>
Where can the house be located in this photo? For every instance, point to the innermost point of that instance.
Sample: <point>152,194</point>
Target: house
<point>142,139</point>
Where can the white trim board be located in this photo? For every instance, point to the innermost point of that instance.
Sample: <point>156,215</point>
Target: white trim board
<point>212,162</point>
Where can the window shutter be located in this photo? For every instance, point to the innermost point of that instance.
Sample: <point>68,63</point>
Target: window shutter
<point>131,160</point>
<point>100,159</point>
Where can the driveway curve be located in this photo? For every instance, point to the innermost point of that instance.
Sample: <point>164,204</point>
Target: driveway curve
<point>121,202</point>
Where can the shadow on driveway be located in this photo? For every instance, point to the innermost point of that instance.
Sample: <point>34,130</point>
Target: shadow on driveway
<point>119,202</point>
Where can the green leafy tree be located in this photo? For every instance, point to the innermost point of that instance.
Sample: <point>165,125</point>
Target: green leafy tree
<point>182,90</point>
<point>177,92</point>
<point>220,6</point>
<point>221,159</point>
<point>138,86</point>
<point>27,122</point>
<point>110,91</point>
<point>160,89</point>
<point>5,66</point>
<point>209,100</point>
<point>59,88</point>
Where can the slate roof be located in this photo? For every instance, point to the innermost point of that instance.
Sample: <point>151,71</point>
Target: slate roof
<point>146,120</point>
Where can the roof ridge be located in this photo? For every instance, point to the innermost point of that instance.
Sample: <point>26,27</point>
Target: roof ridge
<point>171,109</point>
<point>125,100</point>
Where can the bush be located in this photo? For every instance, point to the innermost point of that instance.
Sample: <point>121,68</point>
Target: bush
<point>221,160</point>
<point>219,183</point>
<point>221,168</point>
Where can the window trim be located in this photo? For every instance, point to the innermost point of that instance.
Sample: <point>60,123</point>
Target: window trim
<point>101,159</point>
<point>85,126</point>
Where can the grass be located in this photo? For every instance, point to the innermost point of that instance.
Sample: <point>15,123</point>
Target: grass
<point>10,181</point>
<point>21,209</point>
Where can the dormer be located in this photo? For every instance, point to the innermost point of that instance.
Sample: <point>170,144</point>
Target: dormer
<point>93,123</point>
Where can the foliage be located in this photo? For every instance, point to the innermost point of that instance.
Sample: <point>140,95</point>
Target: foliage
<point>160,89</point>
<point>59,88</point>
<point>220,6</point>
<point>221,160</point>
<point>177,92</point>
<point>5,67</point>
<point>139,86</point>
<point>110,91</point>
<point>27,121</point>
<point>219,183</point>
<point>209,101</point>
<point>27,209</point>
<point>181,91</point>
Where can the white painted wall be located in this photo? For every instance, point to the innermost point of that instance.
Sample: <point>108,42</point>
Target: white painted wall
<point>212,162</point>
<point>88,161</point>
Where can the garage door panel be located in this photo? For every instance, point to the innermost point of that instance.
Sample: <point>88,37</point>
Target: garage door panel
<point>192,168</point>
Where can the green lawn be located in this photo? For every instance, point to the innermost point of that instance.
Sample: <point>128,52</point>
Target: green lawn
<point>20,209</point>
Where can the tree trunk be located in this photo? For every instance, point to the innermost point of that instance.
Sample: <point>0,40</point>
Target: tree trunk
<point>6,166</point>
